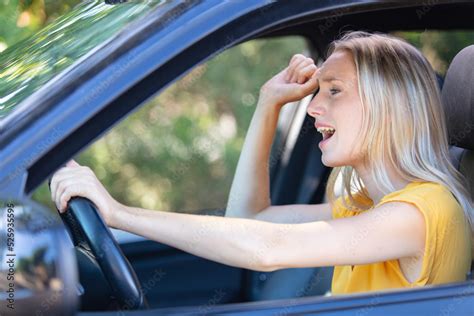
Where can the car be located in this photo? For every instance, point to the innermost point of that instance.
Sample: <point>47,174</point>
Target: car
<point>71,84</point>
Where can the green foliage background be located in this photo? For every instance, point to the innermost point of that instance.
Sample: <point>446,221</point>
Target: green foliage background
<point>20,19</point>
<point>180,150</point>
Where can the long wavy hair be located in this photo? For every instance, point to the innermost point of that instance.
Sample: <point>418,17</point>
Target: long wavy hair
<point>403,120</point>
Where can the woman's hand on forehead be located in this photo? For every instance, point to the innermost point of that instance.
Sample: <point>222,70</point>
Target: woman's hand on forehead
<point>293,83</point>
<point>300,69</point>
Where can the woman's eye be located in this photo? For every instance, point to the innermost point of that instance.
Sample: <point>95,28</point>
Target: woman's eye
<point>333,91</point>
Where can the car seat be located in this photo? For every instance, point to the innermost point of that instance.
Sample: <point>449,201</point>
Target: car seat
<point>458,102</point>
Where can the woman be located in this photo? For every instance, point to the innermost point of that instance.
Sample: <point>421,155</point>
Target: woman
<point>403,219</point>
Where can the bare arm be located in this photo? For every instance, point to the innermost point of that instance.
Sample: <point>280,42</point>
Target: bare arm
<point>250,193</point>
<point>254,244</point>
<point>295,213</point>
<point>232,241</point>
<point>262,246</point>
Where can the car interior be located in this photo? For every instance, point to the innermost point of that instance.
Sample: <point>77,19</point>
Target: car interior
<point>172,278</point>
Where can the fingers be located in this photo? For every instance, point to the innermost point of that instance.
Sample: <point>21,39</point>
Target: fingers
<point>66,178</point>
<point>72,163</point>
<point>75,180</point>
<point>70,190</point>
<point>54,182</point>
<point>297,68</point>
<point>63,197</point>
<point>301,68</point>
<point>58,176</point>
<point>65,188</point>
<point>295,60</point>
<point>306,73</point>
<point>60,186</point>
<point>310,85</point>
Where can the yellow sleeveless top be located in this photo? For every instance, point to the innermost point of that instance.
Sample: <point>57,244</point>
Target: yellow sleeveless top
<point>447,257</point>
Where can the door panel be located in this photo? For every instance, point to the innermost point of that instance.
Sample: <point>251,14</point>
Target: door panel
<point>171,277</point>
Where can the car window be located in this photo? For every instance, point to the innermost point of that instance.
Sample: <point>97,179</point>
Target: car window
<point>179,151</point>
<point>439,47</point>
<point>28,65</point>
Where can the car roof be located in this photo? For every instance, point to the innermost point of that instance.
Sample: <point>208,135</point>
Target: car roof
<point>96,93</point>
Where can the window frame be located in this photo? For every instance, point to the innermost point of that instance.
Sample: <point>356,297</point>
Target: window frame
<point>28,166</point>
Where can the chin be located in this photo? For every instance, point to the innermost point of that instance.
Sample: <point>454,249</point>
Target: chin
<point>332,163</point>
<point>328,162</point>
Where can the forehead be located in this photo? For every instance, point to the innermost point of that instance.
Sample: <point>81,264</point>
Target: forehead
<point>339,65</point>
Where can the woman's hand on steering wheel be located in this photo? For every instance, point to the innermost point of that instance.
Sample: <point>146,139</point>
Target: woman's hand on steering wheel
<point>76,180</point>
<point>293,83</point>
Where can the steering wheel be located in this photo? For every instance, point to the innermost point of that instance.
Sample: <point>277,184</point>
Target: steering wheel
<point>89,231</point>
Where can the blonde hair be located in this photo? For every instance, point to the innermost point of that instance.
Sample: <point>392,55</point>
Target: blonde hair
<point>403,120</point>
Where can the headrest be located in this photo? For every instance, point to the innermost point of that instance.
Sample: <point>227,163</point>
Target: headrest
<point>458,99</point>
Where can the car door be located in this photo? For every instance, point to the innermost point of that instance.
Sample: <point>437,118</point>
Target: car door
<point>179,152</point>
<point>131,98</point>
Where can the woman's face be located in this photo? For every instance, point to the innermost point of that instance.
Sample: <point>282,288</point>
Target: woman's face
<point>337,104</point>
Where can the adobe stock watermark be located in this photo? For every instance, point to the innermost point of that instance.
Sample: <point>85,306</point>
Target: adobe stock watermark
<point>426,8</point>
<point>452,307</point>
<point>10,256</point>
<point>333,19</point>
<point>146,287</point>
<point>315,280</point>
<point>217,297</point>
<point>461,134</point>
<point>40,148</point>
<point>363,232</point>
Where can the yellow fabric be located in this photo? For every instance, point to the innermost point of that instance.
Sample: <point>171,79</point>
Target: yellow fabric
<point>447,257</point>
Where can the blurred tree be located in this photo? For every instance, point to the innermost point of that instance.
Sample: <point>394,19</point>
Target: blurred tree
<point>19,19</point>
<point>439,47</point>
<point>180,150</point>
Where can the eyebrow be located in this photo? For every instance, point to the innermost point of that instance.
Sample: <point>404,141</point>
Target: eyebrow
<point>331,78</point>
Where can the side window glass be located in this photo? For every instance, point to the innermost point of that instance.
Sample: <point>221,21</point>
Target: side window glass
<point>179,152</point>
<point>439,47</point>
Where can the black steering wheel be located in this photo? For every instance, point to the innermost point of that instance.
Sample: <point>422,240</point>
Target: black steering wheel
<point>89,232</point>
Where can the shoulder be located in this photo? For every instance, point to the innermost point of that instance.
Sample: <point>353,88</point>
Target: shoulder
<point>426,189</point>
<point>421,188</point>
<point>433,213</point>
<point>433,202</point>
<point>395,223</point>
<point>432,196</point>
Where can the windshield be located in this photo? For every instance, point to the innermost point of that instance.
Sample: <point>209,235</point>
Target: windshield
<point>31,63</point>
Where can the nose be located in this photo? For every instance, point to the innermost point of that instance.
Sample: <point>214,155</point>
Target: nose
<point>314,108</point>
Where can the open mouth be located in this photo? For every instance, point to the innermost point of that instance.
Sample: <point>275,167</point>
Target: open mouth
<point>327,132</point>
